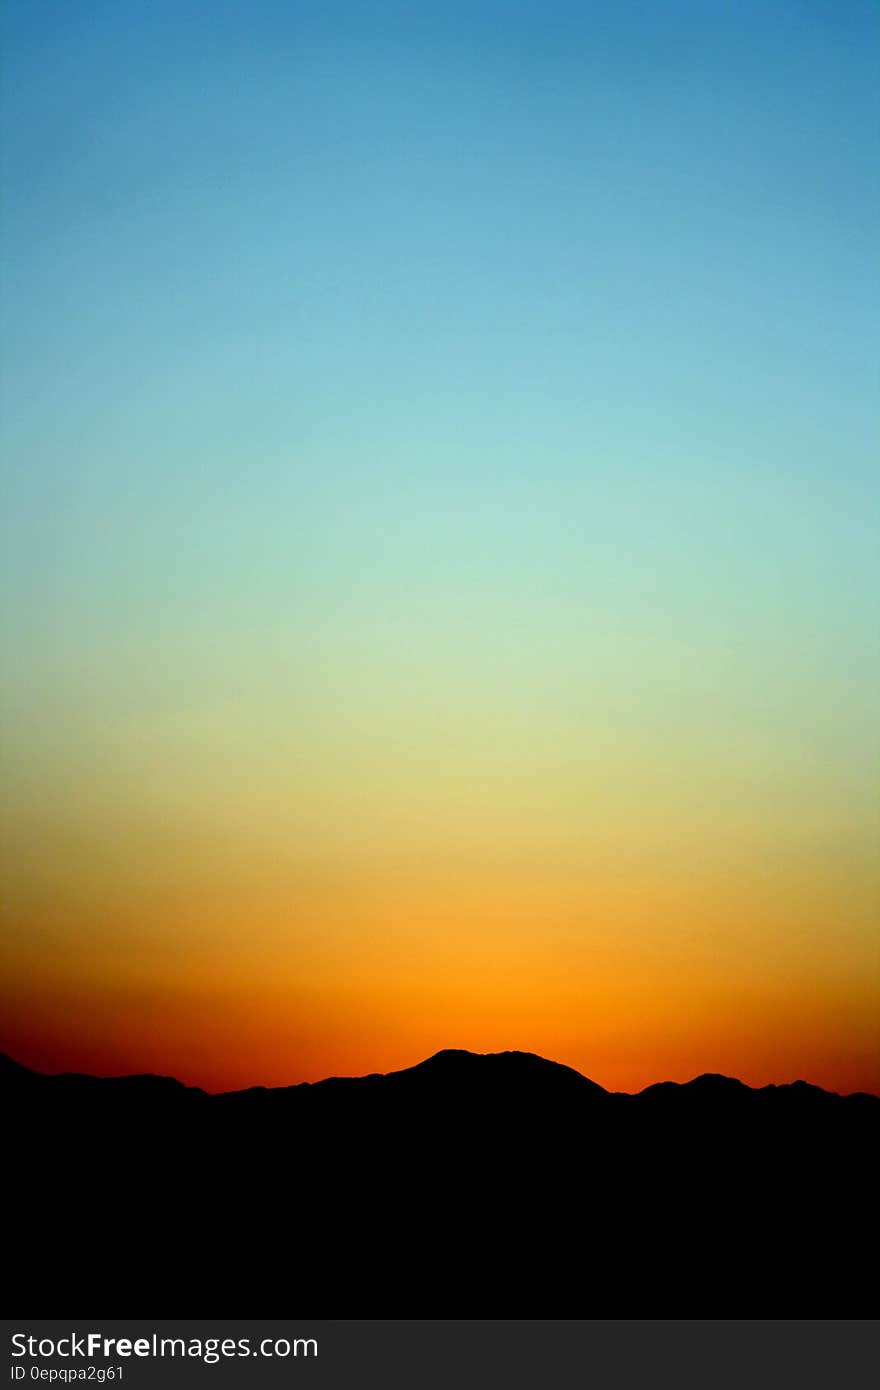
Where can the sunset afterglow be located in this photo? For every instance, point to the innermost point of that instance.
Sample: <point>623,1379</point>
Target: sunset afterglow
<point>440,540</point>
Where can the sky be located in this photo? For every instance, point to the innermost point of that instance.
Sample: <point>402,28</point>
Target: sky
<point>441,537</point>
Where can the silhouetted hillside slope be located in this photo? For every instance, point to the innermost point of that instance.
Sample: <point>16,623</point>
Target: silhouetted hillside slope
<point>464,1186</point>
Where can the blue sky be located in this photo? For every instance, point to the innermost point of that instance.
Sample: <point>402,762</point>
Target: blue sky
<point>385,260</point>
<point>378,262</point>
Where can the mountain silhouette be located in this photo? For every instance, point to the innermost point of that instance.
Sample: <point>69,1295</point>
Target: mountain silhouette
<point>465,1186</point>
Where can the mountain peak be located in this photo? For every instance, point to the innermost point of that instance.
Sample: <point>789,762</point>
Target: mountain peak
<point>502,1070</point>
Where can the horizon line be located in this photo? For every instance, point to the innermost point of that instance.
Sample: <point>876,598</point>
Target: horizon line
<point>442,1052</point>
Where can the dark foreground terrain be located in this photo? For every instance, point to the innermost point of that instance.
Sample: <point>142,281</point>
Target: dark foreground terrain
<point>467,1186</point>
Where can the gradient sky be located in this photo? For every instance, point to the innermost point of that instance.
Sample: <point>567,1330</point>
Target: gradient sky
<point>441,537</point>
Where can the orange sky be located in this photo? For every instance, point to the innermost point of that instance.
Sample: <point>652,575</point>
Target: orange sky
<point>632,967</point>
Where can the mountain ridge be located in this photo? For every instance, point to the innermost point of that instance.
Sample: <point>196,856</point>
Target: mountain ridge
<point>449,1063</point>
<point>467,1185</point>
